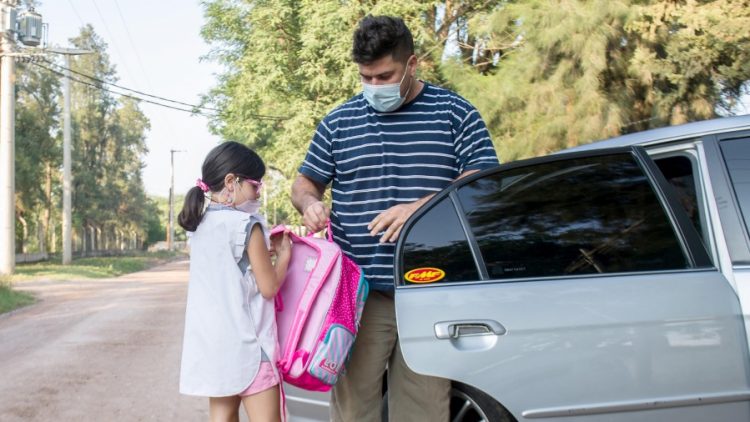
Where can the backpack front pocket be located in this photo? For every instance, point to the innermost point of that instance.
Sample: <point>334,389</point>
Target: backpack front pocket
<point>328,361</point>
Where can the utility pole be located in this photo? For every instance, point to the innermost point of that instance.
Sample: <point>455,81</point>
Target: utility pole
<point>7,141</point>
<point>28,27</point>
<point>67,217</point>
<point>170,230</point>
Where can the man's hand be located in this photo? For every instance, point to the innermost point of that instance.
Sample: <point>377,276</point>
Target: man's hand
<point>315,216</point>
<point>391,221</point>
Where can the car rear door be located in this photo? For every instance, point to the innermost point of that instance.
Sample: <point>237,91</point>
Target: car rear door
<point>573,288</point>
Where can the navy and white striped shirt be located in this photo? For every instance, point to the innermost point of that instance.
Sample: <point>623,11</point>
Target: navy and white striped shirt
<point>379,160</point>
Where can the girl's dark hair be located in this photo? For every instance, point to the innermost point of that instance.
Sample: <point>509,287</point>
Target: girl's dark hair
<point>229,157</point>
<point>378,36</point>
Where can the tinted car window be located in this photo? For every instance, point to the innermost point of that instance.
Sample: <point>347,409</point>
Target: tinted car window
<point>678,171</point>
<point>580,216</point>
<point>737,156</point>
<point>437,241</point>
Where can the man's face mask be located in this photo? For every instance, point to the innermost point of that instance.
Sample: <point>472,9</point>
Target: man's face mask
<point>386,98</point>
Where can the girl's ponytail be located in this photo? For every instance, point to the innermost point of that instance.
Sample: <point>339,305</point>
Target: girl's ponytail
<point>192,209</point>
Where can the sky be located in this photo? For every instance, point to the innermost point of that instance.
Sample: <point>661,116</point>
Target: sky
<point>156,47</point>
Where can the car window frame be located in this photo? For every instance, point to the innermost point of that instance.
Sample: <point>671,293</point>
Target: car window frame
<point>736,233</point>
<point>691,148</point>
<point>687,236</point>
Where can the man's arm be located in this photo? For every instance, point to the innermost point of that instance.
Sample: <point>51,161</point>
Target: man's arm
<point>306,197</point>
<point>392,220</point>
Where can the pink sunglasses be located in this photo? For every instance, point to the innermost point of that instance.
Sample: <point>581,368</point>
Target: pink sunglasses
<point>258,184</point>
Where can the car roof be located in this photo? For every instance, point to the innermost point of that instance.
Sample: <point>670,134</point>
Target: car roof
<point>669,133</point>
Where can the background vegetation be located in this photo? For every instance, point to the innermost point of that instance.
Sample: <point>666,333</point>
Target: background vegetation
<point>545,75</point>
<point>111,210</point>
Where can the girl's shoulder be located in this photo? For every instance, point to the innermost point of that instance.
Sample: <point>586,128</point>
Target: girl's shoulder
<point>258,219</point>
<point>234,220</point>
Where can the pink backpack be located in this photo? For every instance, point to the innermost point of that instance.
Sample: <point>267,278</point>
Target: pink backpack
<point>317,312</point>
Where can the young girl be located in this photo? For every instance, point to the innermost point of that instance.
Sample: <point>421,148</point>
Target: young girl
<point>230,343</point>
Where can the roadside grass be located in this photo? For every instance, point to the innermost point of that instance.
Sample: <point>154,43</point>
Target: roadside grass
<point>82,268</point>
<point>11,299</point>
<point>86,268</point>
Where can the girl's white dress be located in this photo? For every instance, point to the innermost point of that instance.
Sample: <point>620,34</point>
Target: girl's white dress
<point>229,326</point>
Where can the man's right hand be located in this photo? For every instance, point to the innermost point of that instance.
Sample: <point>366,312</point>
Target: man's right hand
<point>316,216</point>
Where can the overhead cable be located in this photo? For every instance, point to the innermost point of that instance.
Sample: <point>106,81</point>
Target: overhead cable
<point>193,106</point>
<point>102,88</point>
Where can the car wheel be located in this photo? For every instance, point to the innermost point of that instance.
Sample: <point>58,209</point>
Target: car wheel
<point>467,405</point>
<point>471,405</point>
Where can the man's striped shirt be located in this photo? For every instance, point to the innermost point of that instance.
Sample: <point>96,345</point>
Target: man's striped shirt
<point>379,160</point>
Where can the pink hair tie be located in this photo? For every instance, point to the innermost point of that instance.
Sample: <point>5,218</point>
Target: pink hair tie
<point>202,185</point>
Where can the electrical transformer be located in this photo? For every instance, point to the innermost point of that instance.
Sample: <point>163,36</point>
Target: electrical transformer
<point>30,28</point>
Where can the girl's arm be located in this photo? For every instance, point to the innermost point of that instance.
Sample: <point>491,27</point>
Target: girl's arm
<point>268,276</point>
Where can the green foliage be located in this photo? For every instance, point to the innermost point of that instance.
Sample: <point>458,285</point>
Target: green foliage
<point>545,75</point>
<point>156,223</point>
<point>85,268</point>
<point>108,137</point>
<point>109,143</point>
<point>38,152</point>
<point>571,71</point>
<point>161,212</point>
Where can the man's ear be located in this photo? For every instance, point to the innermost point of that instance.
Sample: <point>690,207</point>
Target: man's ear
<point>413,62</point>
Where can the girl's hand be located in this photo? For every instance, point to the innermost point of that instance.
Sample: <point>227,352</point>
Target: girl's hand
<point>281,244</point>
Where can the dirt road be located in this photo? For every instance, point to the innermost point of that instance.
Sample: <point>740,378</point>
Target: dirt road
<point>98,350</point>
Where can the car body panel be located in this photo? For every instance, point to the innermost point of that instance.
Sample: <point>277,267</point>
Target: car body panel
<point>584,342</point>
<point>653,345</point>
<point>306,406</point>
<point>669,133</point>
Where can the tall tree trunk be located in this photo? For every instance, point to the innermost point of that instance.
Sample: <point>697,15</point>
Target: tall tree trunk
<point>53,238</point>
<point>25,233</point>
<point>46,215</point>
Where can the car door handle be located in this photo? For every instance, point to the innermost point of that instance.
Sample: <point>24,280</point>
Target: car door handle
<point>476,327</point>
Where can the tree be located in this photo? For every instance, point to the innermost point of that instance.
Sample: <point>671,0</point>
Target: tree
<point>109,143</point>
<point>38,152</point>
<point>569,72</point>
<point>108,148</point>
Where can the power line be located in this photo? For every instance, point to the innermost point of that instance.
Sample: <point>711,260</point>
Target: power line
<point>103,82</point>
<point>114,42</point>
<point>142,68</point>
<point>132,45</point>
<point>70,2</point>
<point>102,88</point>
<point>193,106</point>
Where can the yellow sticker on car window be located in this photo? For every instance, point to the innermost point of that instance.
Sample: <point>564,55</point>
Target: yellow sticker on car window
<point>425,275</point>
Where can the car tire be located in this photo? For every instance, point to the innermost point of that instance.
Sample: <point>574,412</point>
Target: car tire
<point>468,404</point>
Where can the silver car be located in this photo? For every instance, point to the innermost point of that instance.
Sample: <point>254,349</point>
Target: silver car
<point>606,282</point>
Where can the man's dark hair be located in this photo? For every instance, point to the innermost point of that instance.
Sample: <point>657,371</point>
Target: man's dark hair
<point>379,36</point>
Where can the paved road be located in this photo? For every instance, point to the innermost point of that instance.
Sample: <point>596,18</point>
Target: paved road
<point>98,350</point>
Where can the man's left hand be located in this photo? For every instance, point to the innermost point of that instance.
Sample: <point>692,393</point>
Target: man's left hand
<point>391,221</point>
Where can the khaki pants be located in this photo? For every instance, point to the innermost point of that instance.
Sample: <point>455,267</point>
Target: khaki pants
<point>357,396</point>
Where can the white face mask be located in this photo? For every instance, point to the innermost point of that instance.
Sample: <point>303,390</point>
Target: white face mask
<point>251,206</point>
<point>386,98</point>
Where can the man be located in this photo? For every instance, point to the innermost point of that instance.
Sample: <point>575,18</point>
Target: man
<point>386,151</point>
